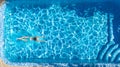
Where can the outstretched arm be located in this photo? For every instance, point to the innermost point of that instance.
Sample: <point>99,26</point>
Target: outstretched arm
<point>41,41</point>
<point>40,36</point>
<point>38,39</point>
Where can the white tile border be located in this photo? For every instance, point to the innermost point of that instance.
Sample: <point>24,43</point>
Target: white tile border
<point>2,9</point>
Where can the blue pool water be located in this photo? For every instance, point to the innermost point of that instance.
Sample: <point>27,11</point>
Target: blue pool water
<point>73,33</point>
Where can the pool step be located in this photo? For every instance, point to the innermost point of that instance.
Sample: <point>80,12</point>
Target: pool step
<point>103,50</point>
<point>109,53</point>
<point>115,54</point>
<point>117,58</point>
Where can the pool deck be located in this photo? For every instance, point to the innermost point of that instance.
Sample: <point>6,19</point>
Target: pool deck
<point>2,64</point>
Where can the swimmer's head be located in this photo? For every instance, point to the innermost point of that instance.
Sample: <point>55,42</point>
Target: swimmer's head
<point>35,38</point>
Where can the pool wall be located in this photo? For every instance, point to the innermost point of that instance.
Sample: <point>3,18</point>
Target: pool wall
<point>2,9</point>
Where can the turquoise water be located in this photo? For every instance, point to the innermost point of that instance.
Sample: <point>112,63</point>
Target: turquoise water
<point>69,35</point>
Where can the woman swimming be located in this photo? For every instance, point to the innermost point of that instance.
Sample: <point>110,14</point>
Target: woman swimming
<point>27,38</point>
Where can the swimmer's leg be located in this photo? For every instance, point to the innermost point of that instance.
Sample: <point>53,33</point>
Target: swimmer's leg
<point>21,39</point>
<point>24,38</point>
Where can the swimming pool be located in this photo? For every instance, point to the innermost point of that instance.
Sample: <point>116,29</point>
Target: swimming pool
<point>74,32</point>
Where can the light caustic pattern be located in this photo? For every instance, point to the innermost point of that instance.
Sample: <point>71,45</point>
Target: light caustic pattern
<point>67,35</point>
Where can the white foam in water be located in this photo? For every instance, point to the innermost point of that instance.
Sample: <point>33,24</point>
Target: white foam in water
<point>94,41</point>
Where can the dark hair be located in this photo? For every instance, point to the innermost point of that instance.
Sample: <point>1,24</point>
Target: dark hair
<point>34,38</point>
